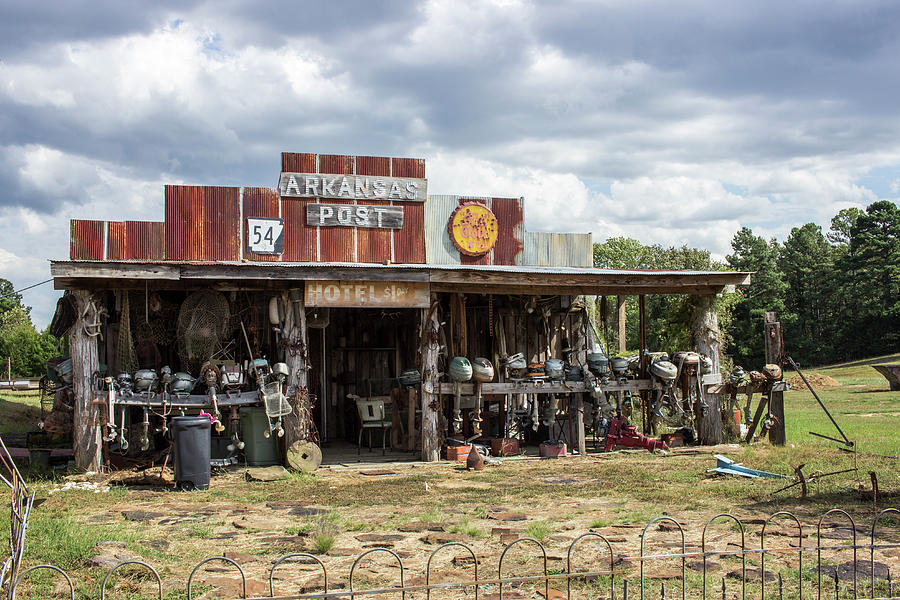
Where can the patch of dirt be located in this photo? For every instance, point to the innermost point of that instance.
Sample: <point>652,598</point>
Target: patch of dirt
<point>817,381</point>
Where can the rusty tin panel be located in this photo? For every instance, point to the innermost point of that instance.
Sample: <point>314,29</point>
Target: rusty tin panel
<point>439,250</point>
<point>336,163</point>
<point>294,162</point>
<point>220,234</point>
<point>182,208</point>
<point>86,239</point>
<point>409,242</point>
<point>144,240</point>
<point>259,202</point>
<point>115,240</point>
<point>337,244</point>
<point>374,245</point>
<point>373,165</point>
<point>408,167</point>
<point>511,230</point>
<point>300,241</point>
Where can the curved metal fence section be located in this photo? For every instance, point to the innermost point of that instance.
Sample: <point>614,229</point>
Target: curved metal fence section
<point>503,555</point>
<point>835,511</point>
<point>297,555</point>
<point>438,549</point>
<point>683,555</point>
<point>12,590</point>
<point>130,562</point>
<point>763,551</point>
<point>743,552</point>
<point>872,547</point>
<point>590,534</point>
<point>373,551</point>
<point>223,559</point>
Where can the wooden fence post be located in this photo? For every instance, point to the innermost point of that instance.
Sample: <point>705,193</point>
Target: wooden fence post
<point>775,355</point>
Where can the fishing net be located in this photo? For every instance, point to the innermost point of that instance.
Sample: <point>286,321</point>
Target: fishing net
<point>126,356</point>
<point>203,322</point>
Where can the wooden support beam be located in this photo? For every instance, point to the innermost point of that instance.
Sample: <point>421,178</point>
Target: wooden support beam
<point>775,355</point>
<point>86,423</point>
<point>707,339</point>
<point>429,338</point>
<point>295,337</point>
<point>620,321</point>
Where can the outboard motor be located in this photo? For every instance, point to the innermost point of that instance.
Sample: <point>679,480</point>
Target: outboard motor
<point>482,372</point>
<point>460,371</point>
<point>666,406</point>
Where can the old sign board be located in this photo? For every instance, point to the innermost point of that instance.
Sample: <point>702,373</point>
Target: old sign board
<point>403,294</point>
<point>473,229</point>
<point>349,215</point>
<point>265,236</point>
<point>352,187</point>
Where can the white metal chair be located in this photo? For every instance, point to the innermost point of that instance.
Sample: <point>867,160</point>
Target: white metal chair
<point>372,416</point>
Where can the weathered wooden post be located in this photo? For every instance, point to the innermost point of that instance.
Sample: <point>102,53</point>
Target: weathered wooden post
<point>620,321</point>
<point>431,399</point>
<point>775,355</point>
<point>86,422</point>
<point>706,337</point>
<point>296,356</point>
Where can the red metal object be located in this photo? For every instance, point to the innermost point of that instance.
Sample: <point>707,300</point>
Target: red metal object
<point>373,165</point>
<point>294,162</point>
<point>259,202</point>
<point>459,453</point>
<point>115,240</point>
<point>144,240</point>
<point>373,245</point>
<point>511,230</point>
<point>553,450</point>
<point>627,435</point>
<point>86,240</point>
<point>300,241</point>
<point>408,167</point>
<point>409,242</point>
<point>339,164</point>
<point>504,447</point>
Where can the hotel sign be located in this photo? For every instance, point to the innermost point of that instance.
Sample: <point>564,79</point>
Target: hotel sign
<point>404,294</point>
<point>352,187</point>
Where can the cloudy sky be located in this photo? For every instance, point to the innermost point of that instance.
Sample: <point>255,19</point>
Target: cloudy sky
<point>669,122</point>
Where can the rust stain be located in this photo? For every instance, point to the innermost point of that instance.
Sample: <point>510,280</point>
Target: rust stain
<point>509,246</point>
<point>299,239</point>
<point>293,162</point>
<point>86,239</point>
<point>115,241</point>
<point>373,245</point>
<point>373,165</point>
<point>409,242</point>
<point>338,164</point>
<point>143,240</point>
<point>408,167</point>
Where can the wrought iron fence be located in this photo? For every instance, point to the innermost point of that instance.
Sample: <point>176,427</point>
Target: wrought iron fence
<point>864,582</point>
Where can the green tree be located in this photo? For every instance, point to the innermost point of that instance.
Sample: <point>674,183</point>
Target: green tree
<point>807,265</point>
<point>26,348</point>
<point>765,293</point>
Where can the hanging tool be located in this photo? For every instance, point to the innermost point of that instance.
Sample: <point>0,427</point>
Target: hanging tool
<point>846,441</point>
<point>111,410</point>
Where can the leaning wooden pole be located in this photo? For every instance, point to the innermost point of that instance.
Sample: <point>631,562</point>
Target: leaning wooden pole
<point>707,339</point>
<point>431,400</point>
<point>86,423</point>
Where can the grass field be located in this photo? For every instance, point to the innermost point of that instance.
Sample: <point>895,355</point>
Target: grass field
<point>335,512</point>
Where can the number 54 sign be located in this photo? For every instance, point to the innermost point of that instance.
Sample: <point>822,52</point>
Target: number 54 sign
<point>265,236</point>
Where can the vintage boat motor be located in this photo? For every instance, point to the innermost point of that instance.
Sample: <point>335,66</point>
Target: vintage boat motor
<point>209,373</point>
<point>554,368</point>
<point>231,379</point>
<point>145,381</point>
<point>689,365</point>
<point>144,430</point>
<point>482,372</point>
<point>574,373</point>
<point>598,364</point>
<point>182,384</point>
<point>619,367</point>
<point>111,410</point>
<point>124,384</point>
<point>275,401</point>
<point>515,366</point>
<point>234,424</point>
<point>259,369</point>
<point>666,406</point>
<point>549,410</point>
<point>460,371</point>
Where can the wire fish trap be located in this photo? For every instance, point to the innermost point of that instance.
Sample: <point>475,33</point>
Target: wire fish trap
<point>277,406</point>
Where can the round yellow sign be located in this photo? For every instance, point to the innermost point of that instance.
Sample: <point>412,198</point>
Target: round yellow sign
<point>473,229</point>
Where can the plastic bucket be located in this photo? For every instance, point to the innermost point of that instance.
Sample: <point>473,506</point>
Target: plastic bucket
<point>191,445</point>
<point>259,450</point>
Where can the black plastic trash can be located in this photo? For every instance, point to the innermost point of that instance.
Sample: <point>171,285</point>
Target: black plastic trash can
<point>191,444</point>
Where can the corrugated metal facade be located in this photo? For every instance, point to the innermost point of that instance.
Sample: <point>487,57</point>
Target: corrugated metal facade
<point>144,240</point>
<point>86,239</point>
<point>204,223</point>
<point>115,240</point>
<point>259,202</point>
